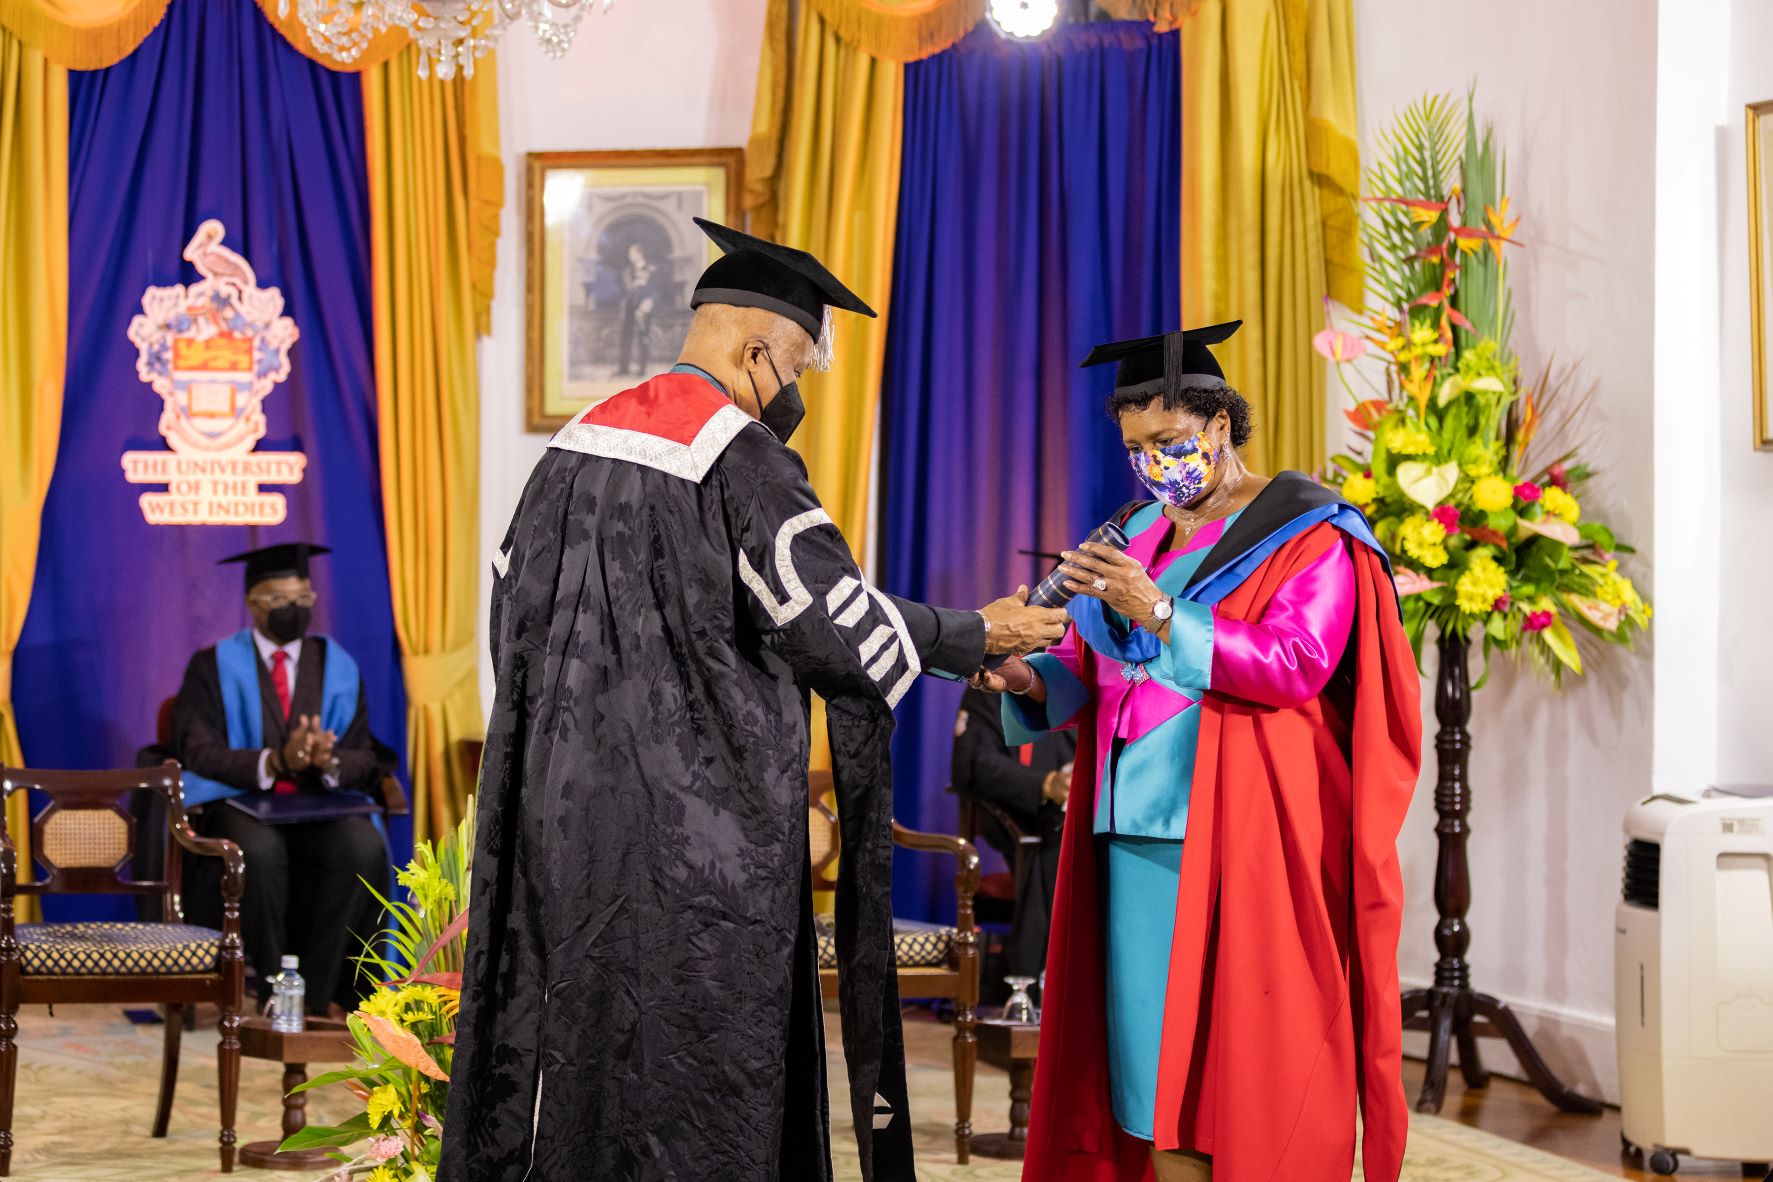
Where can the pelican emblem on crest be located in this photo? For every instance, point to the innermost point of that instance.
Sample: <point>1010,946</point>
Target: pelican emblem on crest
<point>213,350</point>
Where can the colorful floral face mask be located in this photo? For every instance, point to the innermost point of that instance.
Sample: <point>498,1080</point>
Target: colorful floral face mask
<point>1178,474</point>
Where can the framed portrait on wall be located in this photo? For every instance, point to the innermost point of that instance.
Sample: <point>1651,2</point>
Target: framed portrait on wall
<point>612,257</point>
<point>1760,265</point>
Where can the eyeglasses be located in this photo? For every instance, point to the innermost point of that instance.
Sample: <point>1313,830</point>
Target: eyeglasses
<point>272,603</point>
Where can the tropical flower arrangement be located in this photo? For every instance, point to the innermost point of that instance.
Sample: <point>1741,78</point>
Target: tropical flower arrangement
<point>1470,474</point>
<point>405,1030</point>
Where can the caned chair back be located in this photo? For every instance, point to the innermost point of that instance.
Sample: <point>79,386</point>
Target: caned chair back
<point>84,839</point>
<point>822,832</point>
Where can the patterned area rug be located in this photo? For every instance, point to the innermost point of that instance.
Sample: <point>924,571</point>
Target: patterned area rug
<point>87,1083</point>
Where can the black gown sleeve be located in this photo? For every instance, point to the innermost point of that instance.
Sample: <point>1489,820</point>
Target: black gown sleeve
<point>841,636</point>
<point>949,642</point>
<point>200,729</point>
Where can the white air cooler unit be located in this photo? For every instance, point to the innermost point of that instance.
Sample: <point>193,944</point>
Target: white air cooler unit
<point>1693,978</point>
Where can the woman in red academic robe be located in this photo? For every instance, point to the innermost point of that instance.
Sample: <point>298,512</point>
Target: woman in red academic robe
<point>1222,976</point>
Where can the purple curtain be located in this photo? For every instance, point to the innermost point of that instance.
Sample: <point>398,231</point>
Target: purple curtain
<point>1039,214</point>
<point>214,116</point>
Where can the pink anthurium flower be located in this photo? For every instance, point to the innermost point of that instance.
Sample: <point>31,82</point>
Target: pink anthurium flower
<point>1335,344</point>
<point>1410,582</point>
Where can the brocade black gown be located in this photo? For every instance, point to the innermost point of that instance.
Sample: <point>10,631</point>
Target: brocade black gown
<point>641,997</point>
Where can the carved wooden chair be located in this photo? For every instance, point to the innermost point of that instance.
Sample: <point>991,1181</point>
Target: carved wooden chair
<point>1026,846</point>
<point>933,961</point>
<point>83,841</point>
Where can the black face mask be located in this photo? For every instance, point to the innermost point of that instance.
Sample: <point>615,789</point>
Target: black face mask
<point>289,623</point>
<point>785,410</point>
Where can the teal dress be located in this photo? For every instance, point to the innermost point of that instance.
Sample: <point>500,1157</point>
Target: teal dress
<point>1148,717</point>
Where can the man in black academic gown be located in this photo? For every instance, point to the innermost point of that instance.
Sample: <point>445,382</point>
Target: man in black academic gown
<point>641,994</point>
<point>272,731</point>
<point>1029,785</point>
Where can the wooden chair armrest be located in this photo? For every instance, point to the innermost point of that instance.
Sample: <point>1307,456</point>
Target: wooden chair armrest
<point>966,877</point>
<point>8,886</point>
<point>1001,815</point>
<point>393,797</point>
<point>233,861</point>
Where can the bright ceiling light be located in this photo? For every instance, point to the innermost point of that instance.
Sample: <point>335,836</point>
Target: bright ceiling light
<point>1025,19</point>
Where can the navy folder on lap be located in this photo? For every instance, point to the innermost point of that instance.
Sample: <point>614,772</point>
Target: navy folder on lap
<point>295,808</point>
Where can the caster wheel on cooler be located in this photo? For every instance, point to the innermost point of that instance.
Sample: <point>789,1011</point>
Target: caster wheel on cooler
<point>1664,1162</point>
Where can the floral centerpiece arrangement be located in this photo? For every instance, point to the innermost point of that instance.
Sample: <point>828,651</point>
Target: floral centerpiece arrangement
<point>405,1030</point>
<point>1469,472</point>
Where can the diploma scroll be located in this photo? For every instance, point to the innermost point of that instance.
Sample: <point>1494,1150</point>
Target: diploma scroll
<point>1052,591</point>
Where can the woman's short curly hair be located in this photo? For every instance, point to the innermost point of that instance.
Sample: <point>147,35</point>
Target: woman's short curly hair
<point>1205,401</point>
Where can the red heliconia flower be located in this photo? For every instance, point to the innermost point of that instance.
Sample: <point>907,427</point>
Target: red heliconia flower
<point>1527,491</point>
<point>1448,516</point>
<point>1366,415</point>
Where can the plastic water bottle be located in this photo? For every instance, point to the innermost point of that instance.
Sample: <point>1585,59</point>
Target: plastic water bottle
<point>288,1007</point>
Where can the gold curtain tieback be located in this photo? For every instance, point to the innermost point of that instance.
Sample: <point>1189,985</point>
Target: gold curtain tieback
<point>433,677</point>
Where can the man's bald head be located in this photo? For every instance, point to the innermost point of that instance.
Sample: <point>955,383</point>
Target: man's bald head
<point>751,352</point>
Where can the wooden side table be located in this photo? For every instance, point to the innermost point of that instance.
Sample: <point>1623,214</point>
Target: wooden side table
<point>1012,1046</point>
<point>324,1041</point>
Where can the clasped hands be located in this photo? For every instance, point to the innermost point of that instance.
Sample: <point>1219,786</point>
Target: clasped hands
<point>309,745</point>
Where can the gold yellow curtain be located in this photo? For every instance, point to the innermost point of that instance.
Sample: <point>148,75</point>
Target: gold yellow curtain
<point>1269,172</point>
<point>93,34</point>
<point>1332,146</point>
<point>822,174</point>
<point>433,174</point>
<point>835,193</point>
<point>33,350</point>
<point>898,30</point>
<point>1164,14</point>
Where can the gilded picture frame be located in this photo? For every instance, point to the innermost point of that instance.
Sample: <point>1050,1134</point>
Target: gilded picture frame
<point>1758,118</point>
<point>611,257</point>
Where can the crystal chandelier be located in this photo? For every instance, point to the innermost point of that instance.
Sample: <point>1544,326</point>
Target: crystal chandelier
<point>451,33</point>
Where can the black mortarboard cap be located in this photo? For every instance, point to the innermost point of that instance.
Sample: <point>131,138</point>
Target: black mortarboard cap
<point>285,560</point>
<point>1168,361</point>
<point>758,273</point>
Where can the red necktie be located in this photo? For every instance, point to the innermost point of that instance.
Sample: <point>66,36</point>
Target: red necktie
<point>280,683</point>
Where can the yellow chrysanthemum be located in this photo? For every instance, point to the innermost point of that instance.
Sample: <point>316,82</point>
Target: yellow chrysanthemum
<point>383,1003</point>
<point>1559,503</point>
<point>1482,584</point>
<point>382,1174</point>
<point>1407,439</point>
<point>421,995</point>
<point>1492,493</point>
<point>383,1103</point>
<point>1360,490</point>
<point>1423,538</point>
<point>1615,589</point>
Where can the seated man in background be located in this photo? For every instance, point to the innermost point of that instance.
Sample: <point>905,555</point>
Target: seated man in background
<point>1030,784</point>
<point>271,728</point>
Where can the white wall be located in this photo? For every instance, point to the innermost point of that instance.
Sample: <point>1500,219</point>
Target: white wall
<point>646,74</point>
<point>1571,90</point>
<point>1745,566</point>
